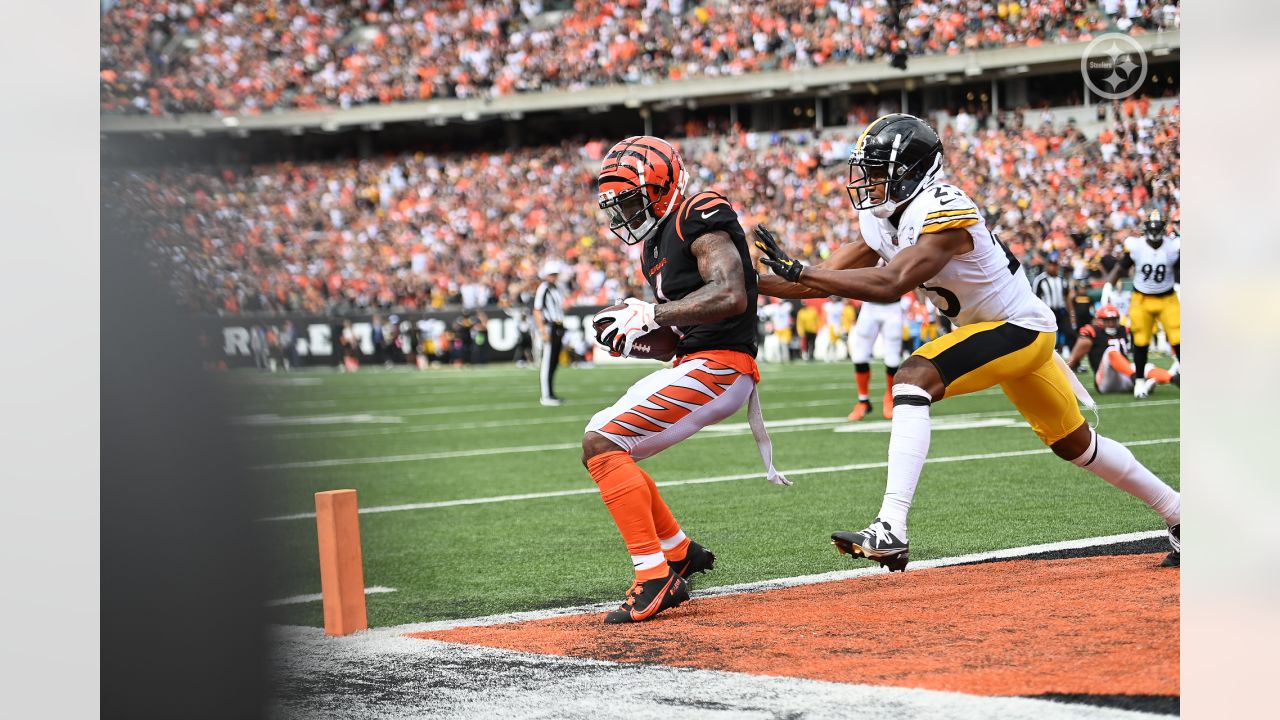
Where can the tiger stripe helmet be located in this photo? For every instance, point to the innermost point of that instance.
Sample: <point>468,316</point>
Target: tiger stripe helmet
<point>641,179</point>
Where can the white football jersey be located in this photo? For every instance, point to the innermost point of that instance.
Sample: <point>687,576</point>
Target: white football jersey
<point>1153,267</point>
<point>984,285</point>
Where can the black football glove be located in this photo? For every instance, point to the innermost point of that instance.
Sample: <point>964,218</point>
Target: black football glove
<point>781,263</point>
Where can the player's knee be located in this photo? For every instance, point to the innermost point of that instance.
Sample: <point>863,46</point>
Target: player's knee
<point>1075,444</point>
<point>920,372</point>
<point>594,444</point>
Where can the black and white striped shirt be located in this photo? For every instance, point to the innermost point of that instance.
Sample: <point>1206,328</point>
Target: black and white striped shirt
<point>1052,289</point>
<point>550,301</point>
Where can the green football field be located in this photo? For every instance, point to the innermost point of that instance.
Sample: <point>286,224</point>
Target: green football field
<point>415,443</point>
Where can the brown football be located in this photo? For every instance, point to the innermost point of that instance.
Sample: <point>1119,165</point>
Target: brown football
<point>658,344</point>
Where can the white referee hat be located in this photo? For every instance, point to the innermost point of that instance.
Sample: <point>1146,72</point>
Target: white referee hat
<point>550,267</point>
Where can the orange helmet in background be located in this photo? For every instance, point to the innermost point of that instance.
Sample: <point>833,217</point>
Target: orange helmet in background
<point>641,179</point>
<point>1108,312</point>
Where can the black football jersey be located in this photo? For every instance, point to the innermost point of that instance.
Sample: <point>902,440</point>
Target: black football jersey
<point>672,271</point>
<point>1121,341</point>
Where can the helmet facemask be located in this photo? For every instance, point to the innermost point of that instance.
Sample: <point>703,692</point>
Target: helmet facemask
<point>1154,231</point>
<point>630,214</point>
<point>895,183</point>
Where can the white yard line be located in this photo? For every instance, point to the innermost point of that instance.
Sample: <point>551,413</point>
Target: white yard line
<point>731,430</point>
<point>317,597</point>
<point>696,481</point>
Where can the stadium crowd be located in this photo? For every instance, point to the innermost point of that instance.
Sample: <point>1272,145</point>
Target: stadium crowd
<point>425,231</point>
<point>247,56</point>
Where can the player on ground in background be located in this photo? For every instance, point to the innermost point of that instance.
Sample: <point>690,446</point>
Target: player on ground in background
<point>1155,259</point>
<point>1107,345</point>
<point>932,235</point>
<point>694,255</point>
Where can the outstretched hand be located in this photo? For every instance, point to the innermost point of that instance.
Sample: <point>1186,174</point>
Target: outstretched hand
<point>774,256</point>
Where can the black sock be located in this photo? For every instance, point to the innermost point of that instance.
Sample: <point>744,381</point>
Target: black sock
<point>1177,351</point>
<point>1140,361</point>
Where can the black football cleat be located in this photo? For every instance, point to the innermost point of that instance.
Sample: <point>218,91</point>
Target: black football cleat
<point>1174,558</point>
<point>646,599</point>
<point>876,543</point>
<point>697,560</point>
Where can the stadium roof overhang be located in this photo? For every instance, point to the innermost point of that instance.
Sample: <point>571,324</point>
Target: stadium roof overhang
<point>855,77</point>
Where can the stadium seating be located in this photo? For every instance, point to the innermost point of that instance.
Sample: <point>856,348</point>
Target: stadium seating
<point>419,231</point>
<point>248,56</point>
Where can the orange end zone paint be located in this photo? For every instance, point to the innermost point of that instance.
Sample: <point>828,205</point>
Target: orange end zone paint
<point>1098,625</point>
<point>341,563</point>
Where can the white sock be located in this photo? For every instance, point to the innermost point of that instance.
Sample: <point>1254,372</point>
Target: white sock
<point>1116,464</point>
<point>671,542</point>
<point>644,562</point>
<point>908,446</point>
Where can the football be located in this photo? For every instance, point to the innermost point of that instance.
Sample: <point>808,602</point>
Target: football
<point>658,344</point>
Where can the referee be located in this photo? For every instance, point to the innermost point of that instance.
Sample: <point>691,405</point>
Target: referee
<point>548,316</point>
<point>1052,288</point>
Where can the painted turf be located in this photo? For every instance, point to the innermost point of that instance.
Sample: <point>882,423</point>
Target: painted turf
<point>384,673</point>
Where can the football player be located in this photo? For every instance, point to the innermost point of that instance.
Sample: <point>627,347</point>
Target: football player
<point>931,235</point>
<point>1107,345</point>
<point>1154,259</point>
<point>876,319</point>
<point>695,256</point>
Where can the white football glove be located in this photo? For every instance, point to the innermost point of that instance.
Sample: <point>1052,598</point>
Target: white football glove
<point>627,324</point>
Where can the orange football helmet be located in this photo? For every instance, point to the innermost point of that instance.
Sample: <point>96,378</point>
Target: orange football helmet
<point>641,179</point>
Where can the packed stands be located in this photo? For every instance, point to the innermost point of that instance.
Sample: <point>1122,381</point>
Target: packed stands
<point>418,231</point>
<point>248,56</point>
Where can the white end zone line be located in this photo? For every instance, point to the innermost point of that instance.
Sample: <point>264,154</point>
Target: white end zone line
<point>694,481</point>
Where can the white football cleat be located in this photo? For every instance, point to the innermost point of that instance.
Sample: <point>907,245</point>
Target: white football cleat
<point>1142,388</point>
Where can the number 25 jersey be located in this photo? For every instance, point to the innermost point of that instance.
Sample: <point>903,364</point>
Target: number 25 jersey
<point>985,284</point>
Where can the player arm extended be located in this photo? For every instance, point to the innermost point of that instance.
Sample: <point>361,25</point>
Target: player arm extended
<point>851,255</point>
<point>725,292</point>
<point>1083,345</point>
<point>909,268</point>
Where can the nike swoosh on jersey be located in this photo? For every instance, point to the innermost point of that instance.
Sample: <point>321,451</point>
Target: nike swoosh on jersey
<point>706,215</point>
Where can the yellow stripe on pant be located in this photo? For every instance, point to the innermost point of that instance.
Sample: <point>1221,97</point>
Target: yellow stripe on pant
<point>982,355</point>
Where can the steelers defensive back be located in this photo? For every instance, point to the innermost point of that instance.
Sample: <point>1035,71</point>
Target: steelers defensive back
<point>931,235</point>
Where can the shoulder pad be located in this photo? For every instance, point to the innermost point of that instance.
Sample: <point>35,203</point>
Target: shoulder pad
<point>944,207</point>
<point>703,213</point>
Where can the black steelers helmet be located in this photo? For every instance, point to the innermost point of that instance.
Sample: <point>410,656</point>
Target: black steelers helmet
<point>1153,227</point>
<point>899,152</point>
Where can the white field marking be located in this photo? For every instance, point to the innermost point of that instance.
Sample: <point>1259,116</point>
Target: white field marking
<point>938,423</point>
<point>272,419</point>
<point>389,677</point>
<point>961,421</point>
<point>694,481</point>
<point>284,381</point>
<point>317,597</point>
<point>448,409</point>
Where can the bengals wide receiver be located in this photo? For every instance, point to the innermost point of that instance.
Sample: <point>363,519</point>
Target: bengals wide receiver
<point>695,258</point>
<point>931,235</point>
